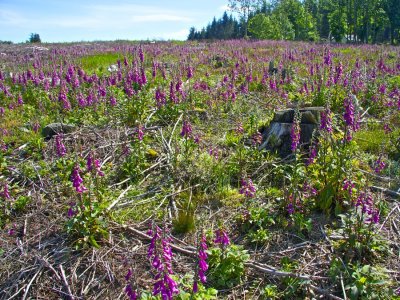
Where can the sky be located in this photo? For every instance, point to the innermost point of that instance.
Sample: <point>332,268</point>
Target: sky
<point>89,20</point>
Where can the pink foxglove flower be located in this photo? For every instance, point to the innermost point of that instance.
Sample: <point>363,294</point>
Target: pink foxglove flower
<point>186,129</point>
<point>77,181</point>
<point>295,134</point>
<point>221,237</point>
<point>6,192</point>
<point>247,188</point>
<point>326,121</point>
<point>60,147</point>
<point>160,256</point>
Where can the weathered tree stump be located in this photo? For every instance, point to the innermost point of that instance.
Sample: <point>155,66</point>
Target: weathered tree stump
<point>276,137</point>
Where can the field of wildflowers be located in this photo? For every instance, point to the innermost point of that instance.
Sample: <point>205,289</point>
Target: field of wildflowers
<point>134,171</point>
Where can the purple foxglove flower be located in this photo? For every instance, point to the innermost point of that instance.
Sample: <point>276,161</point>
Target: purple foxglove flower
<point>295,135</point>
<point>140,133</point>
<point>36,127</point>
<point>77,180</point>
<point>189,72</point>
<point>130,292</point>
<point>222,238</point>
<point>387,129</point>
<point>382,89</point>
<point>239,128</point>
<point>60,147</point>
<point>72,210</point>
<point>256,139</point>
<point>313,155</point>
<point>290,208</point>
<point>12,230</point>
<point>186,129</point>
<point>379,165</point>
<point>141,55</point>
<point>247,188</point>
<point>326,121</point>
<point>348,186</point>
<point>172,95</point>
<point>195,287</point>
<point>143,78</point>
<point>6,193</point>
<point>20,101</point>
<point>350,115</point>
<point>113,101</point>
<point>161,98</point>
<point>97,166</point>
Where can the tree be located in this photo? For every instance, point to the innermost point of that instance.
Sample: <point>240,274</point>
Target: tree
<point>273,27</point>
<point>392,9</point>
<point>34,38</point>
<point>260,26</point>
<point>192,34</point>
<point>244,8</point>
<point>337,24</point>
<point>302,20</point>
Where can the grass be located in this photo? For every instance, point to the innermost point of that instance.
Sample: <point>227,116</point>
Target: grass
<point>99,62</point>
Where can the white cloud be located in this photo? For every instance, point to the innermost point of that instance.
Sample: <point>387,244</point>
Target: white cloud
<point>177,35</point>
<point>97,17</point>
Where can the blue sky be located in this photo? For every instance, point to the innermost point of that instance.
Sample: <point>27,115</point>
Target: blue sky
<point>88,20</point>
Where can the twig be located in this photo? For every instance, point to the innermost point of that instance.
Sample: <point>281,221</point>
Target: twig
<point>391,212</point>
<point>324,292</point>
<point>173,130</point>
<point>48,265</point>
<point>66,283</point>
<point>277,273</point>
<point>119,198</point>
<point>30,283</point>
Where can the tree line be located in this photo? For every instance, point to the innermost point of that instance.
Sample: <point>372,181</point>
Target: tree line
<point>354,21</point>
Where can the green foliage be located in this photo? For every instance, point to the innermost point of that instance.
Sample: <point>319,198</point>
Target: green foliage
<point>226,266</point>
<point>274,27</point>
<point>21,202</point>
<point>186,293</point>
<point>256,223</point>
<point>368,21</point>
<point>368,283</point>
<point>362,281</point>
<point>88,225</point>
<point>292,285</point>
<point>360,238</point>
<point>337,23</point>
<point>270,292</point>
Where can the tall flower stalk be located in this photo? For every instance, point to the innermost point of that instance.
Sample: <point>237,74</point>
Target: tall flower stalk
<point>160,256</point>
<point>202,265</point>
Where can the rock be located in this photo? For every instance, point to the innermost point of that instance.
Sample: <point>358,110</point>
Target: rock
<point>113,68</point>
<point>277,138</point>
<point>55,128</point>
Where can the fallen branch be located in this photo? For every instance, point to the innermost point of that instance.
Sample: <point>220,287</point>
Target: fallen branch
<point>385,191</point>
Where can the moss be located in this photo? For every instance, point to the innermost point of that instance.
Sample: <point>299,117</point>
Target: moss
<point>370,140</point>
